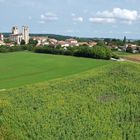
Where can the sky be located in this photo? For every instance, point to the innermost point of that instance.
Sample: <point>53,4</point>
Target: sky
<point>81,18</point>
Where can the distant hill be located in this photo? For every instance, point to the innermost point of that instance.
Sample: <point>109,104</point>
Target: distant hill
<point>64,37</point>
<point>6,34</point>
<point>61,37</point>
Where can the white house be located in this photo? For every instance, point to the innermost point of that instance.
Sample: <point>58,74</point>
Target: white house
<point>63,44</point>
<point>72,42</point>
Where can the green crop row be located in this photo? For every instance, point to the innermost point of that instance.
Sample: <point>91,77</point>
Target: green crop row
<point>101,104</point>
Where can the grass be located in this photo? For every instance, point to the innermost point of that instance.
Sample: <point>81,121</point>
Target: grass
<point>98,104</point>
<point>22,68</point>
<point>121,53</point>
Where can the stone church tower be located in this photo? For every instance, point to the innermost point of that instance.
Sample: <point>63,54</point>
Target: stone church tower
<point>15,30</point>
<point>17,36</point>
<point>25,34</point>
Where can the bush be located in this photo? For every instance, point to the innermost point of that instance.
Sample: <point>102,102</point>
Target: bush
<point>115,56</point>
<point>101,52</point>
<point>129,49</point>
<point>83,51</point>
<point>98,52</point>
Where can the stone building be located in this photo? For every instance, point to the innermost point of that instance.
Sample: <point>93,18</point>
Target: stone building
<point>17,36</point>
<point>25,34</point>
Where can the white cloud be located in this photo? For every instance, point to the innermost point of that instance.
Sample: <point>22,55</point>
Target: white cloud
<point>102,20</point>
<point>49,16</point>
<point>78,19</point>
<point>127,16</point>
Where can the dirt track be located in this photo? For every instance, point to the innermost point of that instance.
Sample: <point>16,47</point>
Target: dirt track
<point>135,58</point>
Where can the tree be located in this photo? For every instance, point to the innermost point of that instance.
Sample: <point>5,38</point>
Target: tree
<point>108,40</point>
<point>33,42</point>
<point>129,49</point>
<point>124,40</point>
<point>101,43</point>
<point>22,42</point>
<point>138,42</point>
<point>7,40</point>
<point>117,42</point>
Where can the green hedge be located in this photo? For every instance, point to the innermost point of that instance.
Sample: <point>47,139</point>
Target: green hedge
<point>99,52</point>
<point>4,49</point>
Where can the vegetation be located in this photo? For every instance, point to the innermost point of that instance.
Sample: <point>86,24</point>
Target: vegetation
<point>22,42</point>
<point>137,42</point>
<point>124,40</point>
<point>99,52</point>
<point>7,40</point>
<point>21,68</point>
<point>101,104</point>
<point>33,42</point>
<point>115,42</point>
<point>4,49</point>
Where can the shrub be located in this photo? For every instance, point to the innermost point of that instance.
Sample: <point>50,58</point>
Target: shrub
<point>101,52</point>
<point>115,56</point>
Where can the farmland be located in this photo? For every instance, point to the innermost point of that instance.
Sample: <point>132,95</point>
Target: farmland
<point>133,57</point>
<point>21,68</point>
<point>99,102</point>
<point>129,56</point>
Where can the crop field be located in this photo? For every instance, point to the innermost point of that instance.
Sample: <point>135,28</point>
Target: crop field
<point>133,57</point>
<point>22,68</point>
<point>129,56</point>
<point>102,103</point>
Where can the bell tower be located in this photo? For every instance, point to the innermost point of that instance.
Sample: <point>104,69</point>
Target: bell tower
<point>25,34</point>
<point>15,30</point>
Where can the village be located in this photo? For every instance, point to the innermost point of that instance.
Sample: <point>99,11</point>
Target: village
<point>23,38</point>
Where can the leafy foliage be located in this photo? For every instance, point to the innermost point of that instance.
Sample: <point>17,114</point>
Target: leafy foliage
<point>33,42</point>
<point>4,49</point>
<point>99,52</point>
<point>22,42</point>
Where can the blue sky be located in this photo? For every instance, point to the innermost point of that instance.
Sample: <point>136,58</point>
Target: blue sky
<point>83,18</point>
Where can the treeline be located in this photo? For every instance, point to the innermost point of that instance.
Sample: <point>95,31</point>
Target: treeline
<point>98,52</point>
<point>4,49</point>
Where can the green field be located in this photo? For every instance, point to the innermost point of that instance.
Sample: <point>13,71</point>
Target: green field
<point>21,68</point>
<point>98,101</point>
